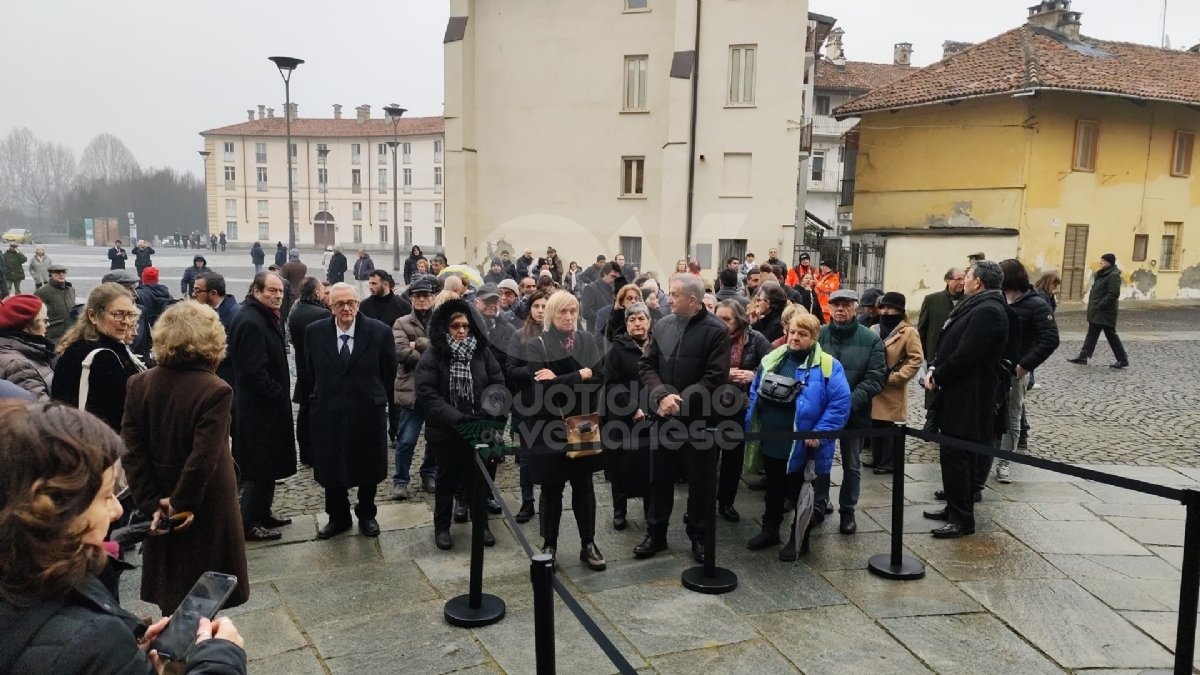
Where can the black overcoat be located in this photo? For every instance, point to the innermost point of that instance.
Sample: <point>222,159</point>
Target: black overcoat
<point>350,404</point>
<point>264,438</point>
<point>968,372</point>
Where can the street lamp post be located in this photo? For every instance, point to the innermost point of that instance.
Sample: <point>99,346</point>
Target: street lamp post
<point>204,158</point>
<point>395,112</point>
<point>323,162</point>
<point>286,65</point>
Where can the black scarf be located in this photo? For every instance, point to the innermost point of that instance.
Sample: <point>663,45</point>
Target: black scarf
<point>969,302</point>
<point>888,324</point>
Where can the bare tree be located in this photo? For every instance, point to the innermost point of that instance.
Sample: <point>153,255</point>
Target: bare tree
<point>106,159</point>
<point>53,172</point>
<point>18,159</point>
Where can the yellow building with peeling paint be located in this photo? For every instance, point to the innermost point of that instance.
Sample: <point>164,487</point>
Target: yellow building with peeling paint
<point>1048,146</point>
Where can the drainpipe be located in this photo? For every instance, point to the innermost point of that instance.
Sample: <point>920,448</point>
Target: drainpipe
<point>687,242</point>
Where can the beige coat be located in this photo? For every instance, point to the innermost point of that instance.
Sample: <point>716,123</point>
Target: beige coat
<point>904,357</point>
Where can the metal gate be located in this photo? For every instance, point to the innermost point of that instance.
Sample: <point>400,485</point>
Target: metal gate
<point>860,263</point>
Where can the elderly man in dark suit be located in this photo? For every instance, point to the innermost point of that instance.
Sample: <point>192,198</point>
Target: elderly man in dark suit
<point>935,309</point>
<point>352,363</point>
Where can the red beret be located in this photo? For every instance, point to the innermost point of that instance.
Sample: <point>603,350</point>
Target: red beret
<point>150,275</point>
<point>18,311</point>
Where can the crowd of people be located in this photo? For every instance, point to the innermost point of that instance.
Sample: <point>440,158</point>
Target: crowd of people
<point>187,407</point>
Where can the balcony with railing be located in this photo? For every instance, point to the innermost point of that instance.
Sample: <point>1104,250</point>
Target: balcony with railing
<point>826,125</point>
<point>806,138</point>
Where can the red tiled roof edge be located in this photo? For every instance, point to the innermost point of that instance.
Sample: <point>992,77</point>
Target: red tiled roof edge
<point>332,128</point>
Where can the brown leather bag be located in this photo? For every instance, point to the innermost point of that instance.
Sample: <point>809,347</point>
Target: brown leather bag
<point>580,428</point>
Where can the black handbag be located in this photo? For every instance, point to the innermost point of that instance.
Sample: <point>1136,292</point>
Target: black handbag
<point>779,388</point>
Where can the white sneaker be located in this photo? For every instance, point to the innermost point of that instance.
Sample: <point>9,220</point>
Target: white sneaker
<point>1002,474</point>
<point>1036,385</point>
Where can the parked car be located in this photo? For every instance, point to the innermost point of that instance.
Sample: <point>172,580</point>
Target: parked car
<point>19,235</point>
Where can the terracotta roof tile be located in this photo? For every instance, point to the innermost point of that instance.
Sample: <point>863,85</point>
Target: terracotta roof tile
<point>330,128</point>
<point>1029,57</point>
<point>858,76</point>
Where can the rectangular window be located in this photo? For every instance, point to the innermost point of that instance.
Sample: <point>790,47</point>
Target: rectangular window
<point>382,150</point>
<point>407,181</point>
<point>264,231</point>
<point>635,4</point>
<point>296,210</point>
<point>438,208</point>
<point>1181,163</point>
<point>262,179</point>
<point>408,235</point>
<point>1169,260</point>
<point>383,234</point>
<point>293,151</point>
<point>231,208</point>
<point>228,152</point>
<point>383,211</point>
<point>730,248</point>
<point>322,152</point>
<point>260,153</point>
<point>741,74</point>
<point>633,170</point>
<point>323,179</point>
<point>356,210</point>
<point>322,206</point>
<point>821,105</point>
<point>230,174</point>
<point>631,248</point>
<point>383,181</point>
<point>264,208</point>
<point>437,236</point>
<point>1086,136</point>
<point>1141,242</point>
<point>818,167</point>
<point>635,83</point>
<point>295,176</point>
<point>408,212</point>
<point>355,153</point>
<point>437,180</point>
<point>406,152</point>
<point>358,233</point>
<point>437,152</point>
<point>356,181</point>
<point>231,229</point>
<point>735,179</point>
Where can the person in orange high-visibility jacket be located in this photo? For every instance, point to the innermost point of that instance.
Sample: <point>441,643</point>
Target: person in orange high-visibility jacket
<point>828,281</point>
<point>796,274</point>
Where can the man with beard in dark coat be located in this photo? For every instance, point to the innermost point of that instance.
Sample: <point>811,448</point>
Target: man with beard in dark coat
<point>592,273</point>
<point>209,289</point>
<point>309,309</point>
<point>352,362</point>
<point>383,304</point>
<point>966,376</point>
<point>600,293</point>
<point>264,441</point>
<point>686,360</point>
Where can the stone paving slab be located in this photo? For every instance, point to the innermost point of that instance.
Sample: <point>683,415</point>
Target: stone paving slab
<point>1078,632</point>
<point>767,585</point>
<point>836,641</point>
<point>1161,626</point>
<point>882,599</point>
<point>1149,531</point>
<point>984,556</point>
<point>269,632</point>
<point>1069,537</point>
<point>510,641</point>
<point>665,617</point>
<point>969,644</point>
<point>1115,495</point>
<point>277,562</point>
<point>1113,566</point>
<point>753,657</point>
<point>373,589</point>
<point>1152,511</point>
<point>1064,493</point>
<point>297,662</point>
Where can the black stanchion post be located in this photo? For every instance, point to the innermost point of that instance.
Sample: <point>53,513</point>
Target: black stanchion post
<point>708,578</point>
<point>1189,590</point>
<point>894,565</point>
<point>541,573</point>
<point>476,608</point>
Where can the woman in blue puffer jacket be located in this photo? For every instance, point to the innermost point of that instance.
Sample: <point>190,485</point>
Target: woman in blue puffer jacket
<point>805,390</point>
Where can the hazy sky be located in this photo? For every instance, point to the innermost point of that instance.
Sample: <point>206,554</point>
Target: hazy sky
<point>156,73</point>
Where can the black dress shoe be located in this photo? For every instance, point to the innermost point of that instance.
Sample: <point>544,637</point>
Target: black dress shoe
<point>757,485</point>
<point>763,540</point>
<point>788,552</point>
<point>369,527</point>
<point>1080,360</point>
<point>442,540</point>
<point>952,531</point>
<point>880,470</point>
<point>828,507</point>
<point>976,496</point>
<point>728,512</point>
<point>262,534</point>
<point>272,521</point>
<point>937,514</point>
<point>686,519</point>
<point>619,522</point>
<point>489,539</point>
<point>333,528</point>
<point>698,551</point>
<point>848,526</point>
<point>460,511</point>
<point>649,546</point>
<point>428,484</point>
<point>1119,364</point>
<point>526,513</point>
<point>493,506</point>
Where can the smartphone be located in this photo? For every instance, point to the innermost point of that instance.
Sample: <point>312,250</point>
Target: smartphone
<point>205,599</point>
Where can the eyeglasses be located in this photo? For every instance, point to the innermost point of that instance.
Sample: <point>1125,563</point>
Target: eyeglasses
<point>345,304</point>
<point>123,316</point>
<point>199,291</point>
<point>460,326</point>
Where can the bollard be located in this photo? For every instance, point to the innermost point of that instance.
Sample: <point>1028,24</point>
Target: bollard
<point>708,578</point>
<point>894,565</point>
<point>541,573</point>
<point>1189,590</point>
<point>476,608</point>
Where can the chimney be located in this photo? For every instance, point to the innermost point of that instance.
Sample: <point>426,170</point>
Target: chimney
<point>262,111</point>
<point>337,111</point>
<point>250,115</point>
<point>270,113</point>
<point>364,113</point>
<point>1056,15</point>
<point>833,47</point>
<point>902,56</point>
<point>294,111</point>
<point>950,48</point>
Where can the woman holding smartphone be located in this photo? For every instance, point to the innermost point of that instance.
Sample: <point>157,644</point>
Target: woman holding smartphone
<point>56,503</point>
